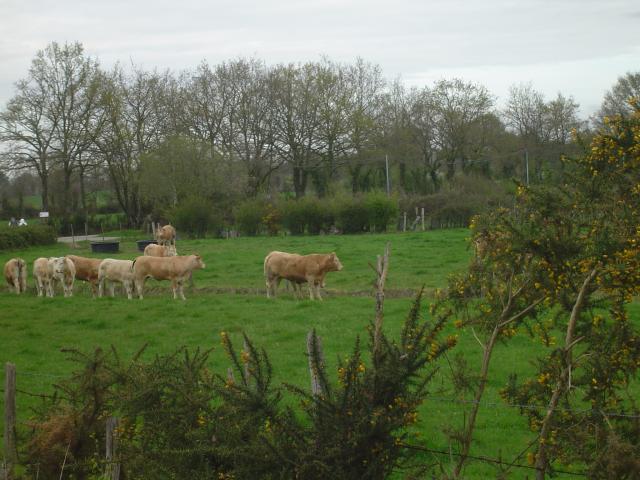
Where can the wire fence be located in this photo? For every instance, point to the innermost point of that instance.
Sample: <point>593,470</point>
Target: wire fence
<point>497,406</point>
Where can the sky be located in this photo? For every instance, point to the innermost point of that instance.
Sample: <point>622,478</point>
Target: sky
<point>576,47</point>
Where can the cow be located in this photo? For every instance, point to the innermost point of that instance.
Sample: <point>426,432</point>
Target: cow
<point>63,271</point>
<point>177,269</point>
<point>154,250</point>
<point>299,269</point>
<point>15,272</point>
<point>43,274</point>
<point>120,271</point>
<point>87,270</point>
<point>166,235</point>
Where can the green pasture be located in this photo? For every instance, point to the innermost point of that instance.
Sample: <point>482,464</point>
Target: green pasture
<point>229,296</point>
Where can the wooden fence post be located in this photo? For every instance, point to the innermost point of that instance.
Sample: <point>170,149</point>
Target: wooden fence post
<point>422,219</point>
<point>404,222</point>
<point>10,452</point>
<point>112,471</point>
<point>315,346</point>
<point>381,269</point>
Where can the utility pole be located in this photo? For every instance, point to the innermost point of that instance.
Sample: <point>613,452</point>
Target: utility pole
<point>386,162</point>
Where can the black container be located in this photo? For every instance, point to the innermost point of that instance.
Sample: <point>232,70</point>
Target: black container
<point>105,246</point>
<point>142,244</point>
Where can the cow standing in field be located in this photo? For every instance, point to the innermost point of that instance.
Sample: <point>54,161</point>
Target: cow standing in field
<point>166,235</point>
<point>154,250</point>
<point>177,269</point>
<point>43,274</point>
<point>120,271</point>
<point>15,273</point>
<point>64,271</point>
<point>299,269</point>
<point>87,270</point>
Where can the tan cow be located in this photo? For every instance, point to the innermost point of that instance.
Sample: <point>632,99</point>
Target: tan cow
<point>15,272</point>
<point>299,269</point>
<point>166,235</point>
<point>87,270</point>
<point>63,271</point>
<point>43,273</point>
<point>154,250</point>
<point>177,269</point>
<point>120,271</point>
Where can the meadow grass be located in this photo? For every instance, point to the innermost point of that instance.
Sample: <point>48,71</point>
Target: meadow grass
<point>35,329</point>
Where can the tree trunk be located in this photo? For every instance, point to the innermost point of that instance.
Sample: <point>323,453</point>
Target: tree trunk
<point>44,181</point>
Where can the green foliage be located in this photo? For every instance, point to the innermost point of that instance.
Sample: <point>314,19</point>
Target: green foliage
<point>249,216</point>
<point>18,238</point>
<point>381,210</point>
<point>352,215</point>
<point>196,217</point>
<point>308,214</point>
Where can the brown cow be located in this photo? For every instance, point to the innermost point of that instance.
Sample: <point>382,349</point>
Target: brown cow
<point>299,269</point>
<point>177,269</point>
<point>166,235</point>
<point>87,270</point>
<point>15,272</point>
<point>154,250</point>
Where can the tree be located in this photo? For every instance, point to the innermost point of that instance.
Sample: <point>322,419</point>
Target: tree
<point>136,121</point>
<point>616,100</point>
<point>462,110</point>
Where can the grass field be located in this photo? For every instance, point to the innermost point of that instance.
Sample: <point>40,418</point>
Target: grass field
<point>229,296</point>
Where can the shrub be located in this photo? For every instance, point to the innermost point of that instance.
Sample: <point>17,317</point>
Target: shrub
<point>381,210</point>
<point>196,217</point>
<point>23,237</point>
<point>351,214</point>
<point>249,215</point>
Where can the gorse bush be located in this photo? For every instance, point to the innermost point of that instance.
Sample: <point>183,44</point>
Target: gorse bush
<point>17,238</point>
<point>196,217</point>
<point>177,419</point>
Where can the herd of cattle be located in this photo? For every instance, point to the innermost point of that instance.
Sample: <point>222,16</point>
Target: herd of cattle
<point>161,262</point>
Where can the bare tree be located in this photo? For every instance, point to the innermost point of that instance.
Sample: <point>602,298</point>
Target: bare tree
<point>137,120</point>
<point>462,109</point>
<point>616,100</point>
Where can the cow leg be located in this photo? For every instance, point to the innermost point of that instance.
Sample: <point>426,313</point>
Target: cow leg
<point>39,286</point>
<point>174,287</point>
<point>181,289</point>
<point>112,288</point>
<point>94,289</point>
<point>139,287</point>
<point>50,288</point>
<point>129,289</point>
<point>317,287</point>
<point>16,285</point>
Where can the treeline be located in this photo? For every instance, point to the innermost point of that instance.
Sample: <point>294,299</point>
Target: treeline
<point>242,128</point>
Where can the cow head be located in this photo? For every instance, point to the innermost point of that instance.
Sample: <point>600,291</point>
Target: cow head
<point>198,263</point>
<point>59,264</point>
<point>334,262</point>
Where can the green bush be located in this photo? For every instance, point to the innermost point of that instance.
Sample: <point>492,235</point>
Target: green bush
<point>249,216</point>
<point>352,215</point>
<point>294,216</point>
<point>23,237</point>
<point>196,217</point>
<point>382,211</point>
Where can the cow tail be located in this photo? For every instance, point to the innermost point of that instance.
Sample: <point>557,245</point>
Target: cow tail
<point>133,263</point>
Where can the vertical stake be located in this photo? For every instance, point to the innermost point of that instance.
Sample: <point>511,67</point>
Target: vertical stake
<point>10,452</point>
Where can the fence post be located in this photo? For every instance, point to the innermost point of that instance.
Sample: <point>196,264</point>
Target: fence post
<point>404,222</point>
<point>112,472</point>
<point>10,452</point>
<point>422,219</point>
<point>314,344</point>
<point>381,269</point>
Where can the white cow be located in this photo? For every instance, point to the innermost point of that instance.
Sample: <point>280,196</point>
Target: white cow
<point>64,271</point>
<point>43,273</point>
<point>120,271</point>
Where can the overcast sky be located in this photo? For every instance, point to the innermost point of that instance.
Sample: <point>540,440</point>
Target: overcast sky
<point>577,47</point>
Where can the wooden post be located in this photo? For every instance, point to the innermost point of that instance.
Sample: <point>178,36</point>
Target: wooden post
<point>381,270</point>
<point>423,219</point>
<point>10,452</point>
<point>314,344</point>
<point>404,222</point>
<point>73,237</point>
<point>86,229</point>
<point>112,471</point>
